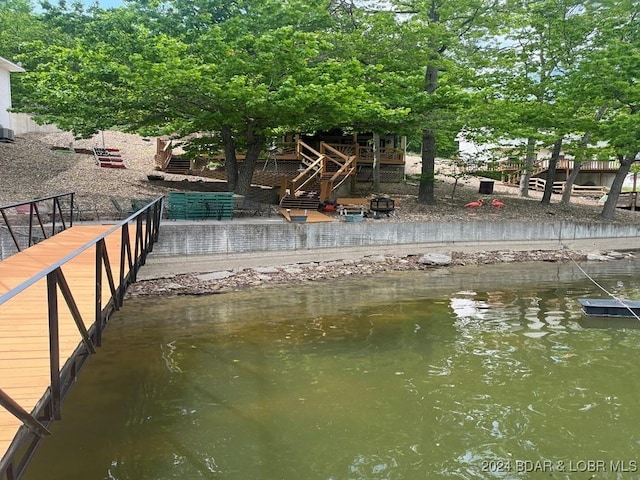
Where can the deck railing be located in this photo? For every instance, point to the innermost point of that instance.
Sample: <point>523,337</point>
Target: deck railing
<point>388,156</point>
<point>346,166</point>
<point>132,255</point>
<point>563,164</point>
<point>34,220</point>
<point>538,184</point>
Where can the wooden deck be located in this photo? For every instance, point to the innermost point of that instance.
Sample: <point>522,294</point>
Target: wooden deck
<point>313,216</point>
<point>24,328</point>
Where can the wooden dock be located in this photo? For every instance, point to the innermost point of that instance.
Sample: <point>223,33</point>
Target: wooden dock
<point>48,329</point>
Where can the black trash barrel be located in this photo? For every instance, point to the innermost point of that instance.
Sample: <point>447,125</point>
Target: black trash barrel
<point>486,188</point>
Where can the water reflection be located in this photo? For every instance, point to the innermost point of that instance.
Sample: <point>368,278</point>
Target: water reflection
<point>456,373</point>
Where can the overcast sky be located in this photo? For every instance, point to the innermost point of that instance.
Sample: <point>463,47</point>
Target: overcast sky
<point>104,3</point>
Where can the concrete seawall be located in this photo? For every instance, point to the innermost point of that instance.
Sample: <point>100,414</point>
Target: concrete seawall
<point>205,246</point>
<point>236,237</point>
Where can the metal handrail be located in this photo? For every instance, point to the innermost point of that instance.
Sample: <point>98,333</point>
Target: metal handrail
<point>34,213</point>
<point>15,460</point>
<point>43,273</point>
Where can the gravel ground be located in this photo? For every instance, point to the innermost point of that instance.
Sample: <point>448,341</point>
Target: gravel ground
<point>31,168</point>
<point>242,278</point>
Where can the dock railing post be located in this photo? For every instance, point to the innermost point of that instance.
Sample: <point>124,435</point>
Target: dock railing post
<point>54,345</point>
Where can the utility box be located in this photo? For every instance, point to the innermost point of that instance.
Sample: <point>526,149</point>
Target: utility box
<point>486,188</point>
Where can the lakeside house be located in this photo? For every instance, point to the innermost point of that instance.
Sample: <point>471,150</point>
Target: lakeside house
<point>594,179</point>
<point>307,169</point>
<point>6,69</point>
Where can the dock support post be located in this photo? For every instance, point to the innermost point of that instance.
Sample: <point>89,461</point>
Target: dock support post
<point>98,292</point>
<point>54,345</point>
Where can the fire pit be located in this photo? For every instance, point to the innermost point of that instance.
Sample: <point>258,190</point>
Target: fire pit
<point>382,205</point>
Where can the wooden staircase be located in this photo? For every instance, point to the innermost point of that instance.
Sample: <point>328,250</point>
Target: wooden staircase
<point>167,162</point>
<point>178,165</point>
<point>305,201</point>
<point>327,169</point>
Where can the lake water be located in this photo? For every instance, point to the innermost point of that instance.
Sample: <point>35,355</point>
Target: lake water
<point>463,373</point>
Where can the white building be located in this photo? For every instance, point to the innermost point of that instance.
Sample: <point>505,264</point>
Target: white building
<point>6,68</point>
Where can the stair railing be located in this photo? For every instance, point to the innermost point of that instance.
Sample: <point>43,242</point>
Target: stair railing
<point>337,157</point>
<point>305,176</point>
<point>327,161</point>
<point>314,163</point>
<point>347,167</point>
<point>164,153</point>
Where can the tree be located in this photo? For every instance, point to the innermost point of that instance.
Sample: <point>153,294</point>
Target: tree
<point>239,75</point>
<point>610,72</point>
<point>581,152</point>
<point>446,28</point>
<point>532,53</point>
<point>19,26</point>
<point>386,49</point>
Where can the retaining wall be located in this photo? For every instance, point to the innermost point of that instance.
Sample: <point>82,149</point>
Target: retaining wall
<point>22,123</point>
<point>180,238</point>
<point>205,238</point>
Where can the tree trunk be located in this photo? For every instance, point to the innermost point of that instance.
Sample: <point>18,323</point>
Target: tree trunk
<point>426,191</point>
<point>376,162</point>
<point>230,159</point>
<point>577,162</point>
<point>634,195</point>
<point>528,167</point>
<point>255,144</point>
<point>568,186</point>
<point>551,172</point>
<point>609,209</point>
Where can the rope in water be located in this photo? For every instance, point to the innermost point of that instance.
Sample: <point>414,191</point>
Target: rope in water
<point>612,295</point>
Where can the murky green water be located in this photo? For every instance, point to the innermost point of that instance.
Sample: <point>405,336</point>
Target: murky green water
<point>467,374</point>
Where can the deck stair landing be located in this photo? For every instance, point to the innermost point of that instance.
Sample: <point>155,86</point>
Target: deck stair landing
<point>304,201</point>
<point>178,165</point>
<point>312,215</point>
<point>167,162</point>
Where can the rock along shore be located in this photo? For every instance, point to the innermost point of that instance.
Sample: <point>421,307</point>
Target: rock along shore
<point>224,281</point>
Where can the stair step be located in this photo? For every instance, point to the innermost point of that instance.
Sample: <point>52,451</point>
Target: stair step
<point>179,166</point>
<point>301,202</point>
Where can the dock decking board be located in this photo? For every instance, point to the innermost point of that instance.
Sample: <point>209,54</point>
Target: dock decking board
<point>24,328</point>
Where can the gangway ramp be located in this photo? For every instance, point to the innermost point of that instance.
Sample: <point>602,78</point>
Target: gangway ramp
<point>55,299</point>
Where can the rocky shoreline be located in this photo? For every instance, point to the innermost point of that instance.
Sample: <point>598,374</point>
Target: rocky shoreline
<point>225,281</point>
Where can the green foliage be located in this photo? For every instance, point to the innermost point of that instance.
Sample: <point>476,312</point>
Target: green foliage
<point>257,68</point>
<point>264,68</point>
<point>205,146</point>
